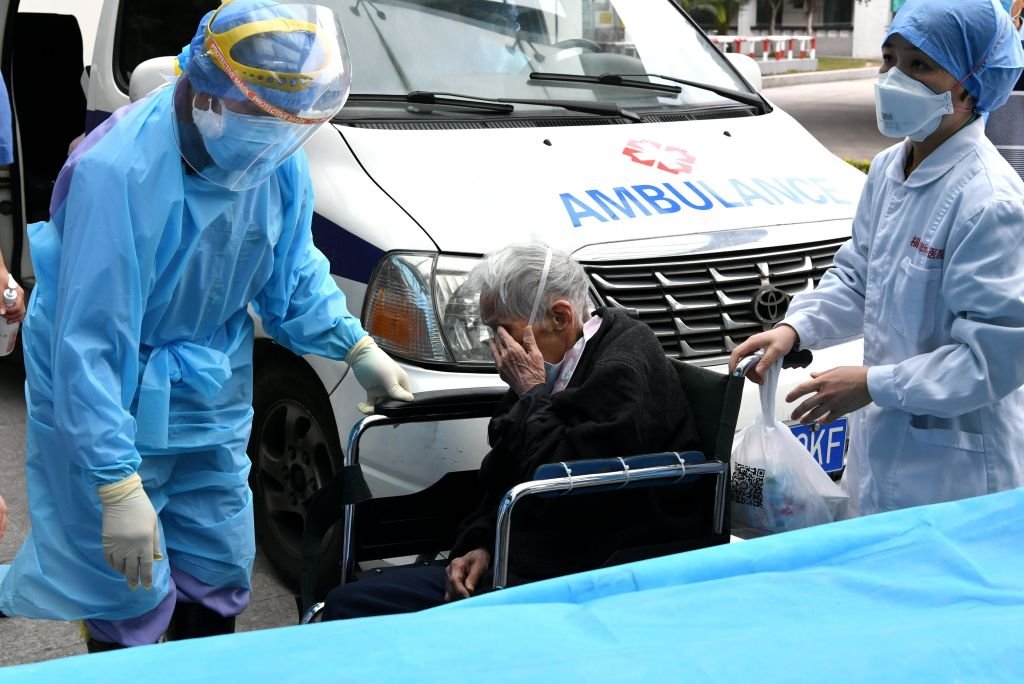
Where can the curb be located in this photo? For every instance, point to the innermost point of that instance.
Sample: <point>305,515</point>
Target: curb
<point>818,77</point>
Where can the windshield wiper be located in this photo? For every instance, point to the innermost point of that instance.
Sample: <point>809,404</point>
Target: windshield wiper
<point>633,81</point>
<point>621,80</point>
<point>504,105</point>
<point>438,99</point>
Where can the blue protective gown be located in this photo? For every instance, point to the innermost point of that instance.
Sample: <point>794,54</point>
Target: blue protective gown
<point>933,277</point>
<point>138,353</point>
<point>6,125</point>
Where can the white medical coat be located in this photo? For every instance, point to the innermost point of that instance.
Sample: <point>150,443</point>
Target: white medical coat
<point>933,277</point>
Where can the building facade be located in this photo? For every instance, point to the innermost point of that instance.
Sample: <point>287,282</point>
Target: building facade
<point>843,28</point>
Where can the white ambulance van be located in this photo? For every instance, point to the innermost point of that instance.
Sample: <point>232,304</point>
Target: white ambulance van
<point>611,128</point>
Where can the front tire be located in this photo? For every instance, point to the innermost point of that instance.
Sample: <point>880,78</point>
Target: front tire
<point>295,450</point>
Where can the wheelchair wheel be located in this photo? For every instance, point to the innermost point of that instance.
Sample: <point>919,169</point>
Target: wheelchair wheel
<point>294,449</point>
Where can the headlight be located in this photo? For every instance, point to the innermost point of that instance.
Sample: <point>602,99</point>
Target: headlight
<point>418,308</point>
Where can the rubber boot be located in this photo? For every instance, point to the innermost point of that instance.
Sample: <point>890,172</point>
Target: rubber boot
<point>192,620</point>
<point>97,646</point>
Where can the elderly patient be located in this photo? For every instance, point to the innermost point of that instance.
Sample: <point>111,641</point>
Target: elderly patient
<point>580,386</point>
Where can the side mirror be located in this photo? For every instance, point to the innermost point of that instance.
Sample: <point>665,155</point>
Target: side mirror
<point>747,67</point>
<point>150,75</point>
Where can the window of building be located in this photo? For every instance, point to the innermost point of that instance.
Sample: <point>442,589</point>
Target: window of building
<point>838,12</point>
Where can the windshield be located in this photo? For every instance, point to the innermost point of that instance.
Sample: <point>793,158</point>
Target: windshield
<point>489,48</point>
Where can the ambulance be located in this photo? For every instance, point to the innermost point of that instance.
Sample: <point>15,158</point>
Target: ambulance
<point>614,129</point>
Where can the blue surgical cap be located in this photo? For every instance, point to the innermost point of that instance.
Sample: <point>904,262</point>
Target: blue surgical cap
<point>283,52</point>
<point>974,40</point>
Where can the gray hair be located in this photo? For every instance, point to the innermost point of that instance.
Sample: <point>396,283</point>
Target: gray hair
<point>512,275</point>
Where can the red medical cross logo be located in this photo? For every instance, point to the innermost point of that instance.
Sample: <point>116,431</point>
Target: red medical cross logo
<point>656,155</point>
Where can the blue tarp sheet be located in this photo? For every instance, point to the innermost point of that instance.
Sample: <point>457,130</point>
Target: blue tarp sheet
<point>933,594</point>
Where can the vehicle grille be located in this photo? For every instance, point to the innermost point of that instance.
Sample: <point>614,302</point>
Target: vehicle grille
<point>702,306</point>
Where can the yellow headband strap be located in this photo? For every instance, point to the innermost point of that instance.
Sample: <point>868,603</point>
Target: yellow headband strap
<point>290,82</point>
<point>222,60</point>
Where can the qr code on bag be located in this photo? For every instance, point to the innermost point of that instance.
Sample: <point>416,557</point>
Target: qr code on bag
<point>747,485</point>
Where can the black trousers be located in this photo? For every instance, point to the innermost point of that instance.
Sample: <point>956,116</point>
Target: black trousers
<point>403,590</point>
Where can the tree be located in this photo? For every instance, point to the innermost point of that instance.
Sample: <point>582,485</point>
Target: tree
<point>721,13</point>
<point>810,8</point>
<point>776,6</point>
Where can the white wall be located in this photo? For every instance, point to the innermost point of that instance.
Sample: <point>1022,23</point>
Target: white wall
<point>870,22</point>
<point>86,11</point>
<point>746,18</point>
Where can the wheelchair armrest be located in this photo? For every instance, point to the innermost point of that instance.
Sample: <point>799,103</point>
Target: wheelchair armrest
<point>598,466</point>
<point>474,402</point>
<point>607,474</point>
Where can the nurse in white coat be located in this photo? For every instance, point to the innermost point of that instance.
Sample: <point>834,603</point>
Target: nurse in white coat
<point>932,277</point>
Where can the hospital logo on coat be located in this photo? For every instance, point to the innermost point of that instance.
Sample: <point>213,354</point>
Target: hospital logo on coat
<point>663,157</point>
<point>770,305</point>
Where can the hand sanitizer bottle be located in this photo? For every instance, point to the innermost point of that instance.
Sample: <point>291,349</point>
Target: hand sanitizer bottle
<point>9,331</point>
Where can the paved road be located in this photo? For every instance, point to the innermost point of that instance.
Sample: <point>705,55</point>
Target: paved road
<point>840,114</point>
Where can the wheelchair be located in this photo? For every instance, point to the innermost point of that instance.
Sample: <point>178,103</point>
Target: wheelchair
<point>423,524</point>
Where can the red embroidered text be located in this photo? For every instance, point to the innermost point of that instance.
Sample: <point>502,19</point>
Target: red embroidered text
<point>924,248</point>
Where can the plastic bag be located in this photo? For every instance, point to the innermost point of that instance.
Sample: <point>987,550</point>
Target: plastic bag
<point>776,483</point>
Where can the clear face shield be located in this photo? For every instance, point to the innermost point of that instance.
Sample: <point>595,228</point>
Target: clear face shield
<point>262,83</point>
<point>540,290</point>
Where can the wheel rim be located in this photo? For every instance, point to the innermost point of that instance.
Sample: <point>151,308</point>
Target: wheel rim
<point>293,460</point>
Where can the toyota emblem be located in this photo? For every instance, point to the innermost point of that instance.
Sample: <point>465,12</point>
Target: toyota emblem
<point>770,304</point>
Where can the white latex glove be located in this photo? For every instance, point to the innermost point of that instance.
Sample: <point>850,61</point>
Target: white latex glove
<point>379,375</point>
<point>131,536</point>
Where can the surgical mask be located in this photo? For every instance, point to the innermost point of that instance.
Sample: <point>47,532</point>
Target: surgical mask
<point>905,108</point>
<point>551,371</point>
<point>248,140</point>
<point>236,142</point>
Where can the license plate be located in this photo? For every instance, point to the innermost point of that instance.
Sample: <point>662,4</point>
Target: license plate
<point>827,443</point>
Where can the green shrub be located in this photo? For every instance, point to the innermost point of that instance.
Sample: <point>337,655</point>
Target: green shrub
<point>861,164</point>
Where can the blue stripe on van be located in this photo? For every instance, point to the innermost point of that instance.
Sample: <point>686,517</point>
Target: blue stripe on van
<point>350,256</point>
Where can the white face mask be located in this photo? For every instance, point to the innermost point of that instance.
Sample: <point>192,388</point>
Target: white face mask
<point>908,108</point>
<point>551,371</point>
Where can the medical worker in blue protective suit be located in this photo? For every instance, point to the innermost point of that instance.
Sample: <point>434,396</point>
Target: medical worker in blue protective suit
<point>167,221</point>
<point>933,276</point>
<point>6,125</point>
